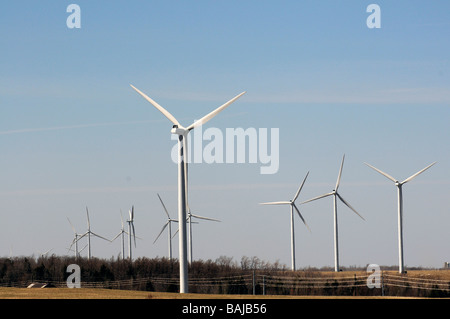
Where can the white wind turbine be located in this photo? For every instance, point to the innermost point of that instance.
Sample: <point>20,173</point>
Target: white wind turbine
<point>293,206</point>
<point>399,185</point>
<point>75,240</point>
<point>122,234</point>
<point>182,133</point>
<point>44,254</point>
<point>89,233</point>
<point>336,195</point>
<point>131,231</point>
<point>190,222</point>
<point>167,224</point>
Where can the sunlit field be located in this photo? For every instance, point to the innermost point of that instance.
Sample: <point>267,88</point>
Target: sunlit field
<point>96,293</point>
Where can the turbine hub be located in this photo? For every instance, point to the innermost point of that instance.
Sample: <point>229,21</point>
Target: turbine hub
<point>179,130</point>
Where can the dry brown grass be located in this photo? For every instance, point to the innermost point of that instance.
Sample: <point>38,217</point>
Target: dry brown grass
<point>88,293</point>
<point>94,293</point>
<point>438,274</point>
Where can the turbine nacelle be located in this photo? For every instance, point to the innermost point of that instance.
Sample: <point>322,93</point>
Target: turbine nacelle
<point>179,130</point>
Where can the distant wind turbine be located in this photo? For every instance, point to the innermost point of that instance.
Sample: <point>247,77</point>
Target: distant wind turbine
<point>336,195</point>
<point>182,133</point>
<point>167,224</point>
<point>122,234</point>
<point>190,222</point>
<point>44,254</point>
<point>131,231</point>
<point>10,252</point>
<point>75,239</point>
<point>399,185</point>
<point>89,233</point>
<point>293,206</point>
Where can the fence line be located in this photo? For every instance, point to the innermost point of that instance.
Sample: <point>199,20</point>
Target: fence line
<point>260,284</point>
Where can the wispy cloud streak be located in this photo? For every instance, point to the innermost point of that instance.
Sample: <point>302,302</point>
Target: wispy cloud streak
<point>66,127</point>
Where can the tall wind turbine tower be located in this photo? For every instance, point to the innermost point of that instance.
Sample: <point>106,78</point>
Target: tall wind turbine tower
<point>182,133</point>
<point>131,232</point>
<point>401,267</point>
<point>336,195</point>
<point>293,206</point>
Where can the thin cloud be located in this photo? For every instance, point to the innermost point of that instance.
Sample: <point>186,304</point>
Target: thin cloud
<point>359,96</point>
<point>67,127</point>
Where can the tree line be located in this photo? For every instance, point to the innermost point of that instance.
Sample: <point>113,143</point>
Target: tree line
<point>54,268</point>
<point>221,276</point>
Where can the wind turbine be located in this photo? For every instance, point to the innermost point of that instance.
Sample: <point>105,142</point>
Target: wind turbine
<point>399,185</point>
<point>336,195</point>
<point>293,206</point>
<point>89,233</point>
<point>189,220</point>
<point>167,224</point>
<point>79,252</point>
<point>182,133</point>
<point>44,254</point>
<point>121,233</point>
<point>75,239</point>
<point>131,231</point>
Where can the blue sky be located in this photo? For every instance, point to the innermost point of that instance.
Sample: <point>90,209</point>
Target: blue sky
<point>74,134</point>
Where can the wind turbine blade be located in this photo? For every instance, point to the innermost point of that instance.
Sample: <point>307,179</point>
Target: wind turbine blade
<point>134,234</point>
<point>300,188</point>
<point>132,212</point>
<point>349,206</point>
<point>382,173</point>
<point>159,107</point>
<point>205,218</point>
<point>87,214</point>
<point>116,236</point>
<point>206,118</point>
<point>73,242</point>
<point>73,228</point>
<point>164,227</point>
<point>276,203</point>
<point>83,248</point>
<point>301,217</point>
<point>340,174</point>
<point>316,198</point>
<point>81,236</point>
<point>100,236</point>
<point>164,206</point>
<point>121,218</point>
<point>418,173</point>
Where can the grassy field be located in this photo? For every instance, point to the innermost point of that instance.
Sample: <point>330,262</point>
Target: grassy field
<point>96,293</point>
